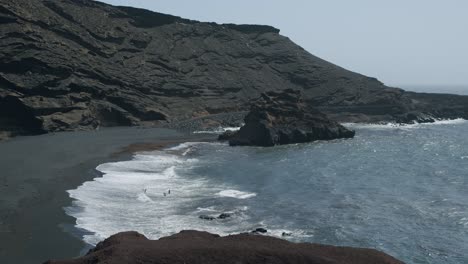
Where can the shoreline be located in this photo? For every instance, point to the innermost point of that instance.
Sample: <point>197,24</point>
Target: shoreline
<point>38,170</point>
<point>41,230</point>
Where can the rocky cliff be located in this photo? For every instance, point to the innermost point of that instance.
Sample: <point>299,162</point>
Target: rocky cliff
<point>80,64</point>
<point>200,247</point>
<point>280,118</point>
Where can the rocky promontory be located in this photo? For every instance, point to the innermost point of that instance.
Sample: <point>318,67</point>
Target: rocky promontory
<point>196,247</point>
<point>81,64</point>
<point>279,118</point>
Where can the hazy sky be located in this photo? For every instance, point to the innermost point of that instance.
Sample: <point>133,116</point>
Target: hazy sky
<point>401,42</point>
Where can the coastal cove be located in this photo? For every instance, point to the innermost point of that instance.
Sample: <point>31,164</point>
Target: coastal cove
<point>398,189</point>
<point>134,136</point>
<point>37,171</point>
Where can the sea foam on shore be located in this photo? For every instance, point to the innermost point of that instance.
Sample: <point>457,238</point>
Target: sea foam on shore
<point>153,193</point>
<point>387,187</point>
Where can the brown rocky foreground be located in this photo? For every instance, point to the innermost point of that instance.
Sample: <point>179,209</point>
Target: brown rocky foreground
<point>201,247</point>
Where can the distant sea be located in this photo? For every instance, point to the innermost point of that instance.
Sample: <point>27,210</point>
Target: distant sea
<point>399,189</point>
<point>450,89</point>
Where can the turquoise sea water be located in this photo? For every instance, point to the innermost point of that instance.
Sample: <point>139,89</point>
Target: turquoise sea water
<point>402,190</point>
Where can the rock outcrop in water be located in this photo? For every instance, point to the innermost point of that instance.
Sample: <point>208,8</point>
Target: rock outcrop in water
<point>204,248</point>
<point>80,64</point>
<point>279,118</point>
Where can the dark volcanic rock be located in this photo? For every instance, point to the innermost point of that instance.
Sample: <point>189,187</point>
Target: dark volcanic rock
<point>206,217</point>
<point>224,216</point>
<point>227,135</point>
<point>80,64</point>
<point>415,117</point>
<point>204,248</point>
<point>278,118</point>
<point>260,230</point>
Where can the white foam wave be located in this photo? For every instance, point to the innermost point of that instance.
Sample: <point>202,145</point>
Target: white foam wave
<point>403,126</point>
<point>143,198</point>
<point>449,122</point>
<point>186,145</point>
<point>218,130</point>
<point>154,194</point>
<point>295,234</point>
<point>236,194</point>
<point>207,209</point>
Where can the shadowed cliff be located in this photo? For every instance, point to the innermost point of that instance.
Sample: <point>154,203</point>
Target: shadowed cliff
<point>80,64</point>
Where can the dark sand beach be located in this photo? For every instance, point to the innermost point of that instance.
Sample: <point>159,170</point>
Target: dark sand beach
<point>37,171</point>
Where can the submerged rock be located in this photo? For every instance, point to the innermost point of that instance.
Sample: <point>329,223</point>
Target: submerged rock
<point>279,118</point>
<point>224,216</point>
<point>196,247</point>
<point>206,217</point>
<point>260,230</point>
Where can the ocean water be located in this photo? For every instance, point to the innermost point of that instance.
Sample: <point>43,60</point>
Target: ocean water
<point>399,189</point>
<point>447,89</point>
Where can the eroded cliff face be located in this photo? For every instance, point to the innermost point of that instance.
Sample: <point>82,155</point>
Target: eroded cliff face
<point>280,118</point>
<point>79,64</point>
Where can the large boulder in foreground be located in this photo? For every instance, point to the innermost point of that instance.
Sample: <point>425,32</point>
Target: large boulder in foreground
<point>200,247</point>
<point>279,118</point>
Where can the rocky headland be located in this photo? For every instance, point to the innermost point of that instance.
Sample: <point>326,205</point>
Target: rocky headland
<point>204,248</point>
<point>279,118</point>
<point>81,64</point>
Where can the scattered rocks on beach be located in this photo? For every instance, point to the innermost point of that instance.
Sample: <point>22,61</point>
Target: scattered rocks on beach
<point>279,118</point>
<point>196,247</point>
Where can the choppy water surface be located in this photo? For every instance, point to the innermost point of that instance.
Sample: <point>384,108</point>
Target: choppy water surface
<point>403,190</point>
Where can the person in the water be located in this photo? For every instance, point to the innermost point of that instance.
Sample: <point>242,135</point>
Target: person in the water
<point>169,192</point>
<point>164,194</point>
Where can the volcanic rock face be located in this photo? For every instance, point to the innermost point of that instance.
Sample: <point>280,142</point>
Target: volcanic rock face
<point>204,248</point>
<point>80,64</point>
<point>279,118</point>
